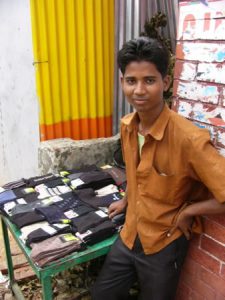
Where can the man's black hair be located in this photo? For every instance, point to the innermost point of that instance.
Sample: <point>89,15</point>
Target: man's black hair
<point>144,49</point>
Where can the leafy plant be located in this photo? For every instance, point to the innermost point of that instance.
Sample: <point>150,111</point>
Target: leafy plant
<point>153,29</point>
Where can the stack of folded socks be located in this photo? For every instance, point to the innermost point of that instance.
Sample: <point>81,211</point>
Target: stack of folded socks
<point>97,233</point>
<point>57,214</point>
<point>54,248</point>
<point>90,197</point>
<point>46,231</point>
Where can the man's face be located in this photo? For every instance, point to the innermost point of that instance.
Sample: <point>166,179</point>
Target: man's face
<point>143,86</point>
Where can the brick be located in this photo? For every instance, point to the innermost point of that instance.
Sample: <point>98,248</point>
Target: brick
<point>216,282</point>
<point>185,70</point>
<point>204,259</point>
<point>196,91</point>
<point>191,267</point>
<point>194,30</point>
<point>213,248</point>
<point>193,281</point>
<point>181,295</point>
<point>196,296</point>
<point>184,108</point>
<point>183,291</point>
<point>202,52</point>
<point>219,219</point>
<point>219,296</point>
<point>178,69</point>
<point>222,273</point>
<point>222,97</point>
<point>24,273</point>
<point>175,86</point>
<point>180,50</point>
<point>195,240</point>
<point>211,72</point>
<point>188,30</point>
<point>215,230</point>
<point>209,114</point>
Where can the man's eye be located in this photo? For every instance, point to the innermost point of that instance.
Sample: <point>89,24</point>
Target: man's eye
<point>150,81</point>
<point>130,81</point>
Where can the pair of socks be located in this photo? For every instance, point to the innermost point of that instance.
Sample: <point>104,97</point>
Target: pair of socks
<point>33,181</point>
<point>54,248</point>
<point>15,184</point>
<point>118,174</point>
<point>93,179</point>
<point>90,220</point>
<point>88,196</point>
<point>24,219</point>
<point>46,192</point>
<point>7,196</point>
<point>98,233</point>
<point>106,190</point>
<point>53,213</point>
<point>26,230</point>
<point>46,232</point>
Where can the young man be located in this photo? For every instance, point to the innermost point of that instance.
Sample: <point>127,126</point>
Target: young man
<point>174,174</point>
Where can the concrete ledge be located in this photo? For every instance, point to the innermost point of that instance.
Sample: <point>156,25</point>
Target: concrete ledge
<point>59,154</point>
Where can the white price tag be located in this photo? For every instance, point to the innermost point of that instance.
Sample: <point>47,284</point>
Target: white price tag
<point>101,214</point>
<point>1,189</point>
<point>60,225</point>
<point>8,206</point>
<point>21,201</point>
<point>70,214</point>
<point>76,182</point>
<point>56,198</point>
<point>49,229</point>
<point>63,189</point>
<point>83,235</point>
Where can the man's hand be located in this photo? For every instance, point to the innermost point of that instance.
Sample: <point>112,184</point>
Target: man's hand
<point>117,207</point>
<point>185,219</point>
<point>184,223</point>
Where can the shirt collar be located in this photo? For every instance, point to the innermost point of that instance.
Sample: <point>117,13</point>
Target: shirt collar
<point>157,129</point>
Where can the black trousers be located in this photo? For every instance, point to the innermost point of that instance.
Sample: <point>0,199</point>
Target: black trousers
<point>158,273</point>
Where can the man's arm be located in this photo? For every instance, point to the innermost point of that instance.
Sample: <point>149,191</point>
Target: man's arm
<point>185,218</point>
<point>118,206</point>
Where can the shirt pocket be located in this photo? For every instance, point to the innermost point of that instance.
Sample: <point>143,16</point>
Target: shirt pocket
<point>160,186</point>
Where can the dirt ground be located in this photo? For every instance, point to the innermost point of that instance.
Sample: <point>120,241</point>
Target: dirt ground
<point>73,284</point>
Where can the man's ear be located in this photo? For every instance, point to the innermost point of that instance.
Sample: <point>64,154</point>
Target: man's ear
<point>166,82</point>
<point>121,80</point>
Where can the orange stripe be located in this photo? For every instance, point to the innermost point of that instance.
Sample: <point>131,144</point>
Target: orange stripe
<point>78,129</point>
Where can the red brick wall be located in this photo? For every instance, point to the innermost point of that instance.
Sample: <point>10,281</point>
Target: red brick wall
<point>199,95</point>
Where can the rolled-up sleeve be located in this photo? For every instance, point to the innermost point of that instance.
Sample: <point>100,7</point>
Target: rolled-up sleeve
<point>207,164</point>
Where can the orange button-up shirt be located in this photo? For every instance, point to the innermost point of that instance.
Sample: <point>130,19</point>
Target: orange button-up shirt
<point>178,166</point>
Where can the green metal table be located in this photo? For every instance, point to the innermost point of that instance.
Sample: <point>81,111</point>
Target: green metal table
<point>44,274</point>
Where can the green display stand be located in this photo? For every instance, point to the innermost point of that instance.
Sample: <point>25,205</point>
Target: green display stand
<point>44,274</point>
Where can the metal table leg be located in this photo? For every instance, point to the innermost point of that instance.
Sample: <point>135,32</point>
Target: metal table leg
<point>14,286</point>
<point>46,283</point>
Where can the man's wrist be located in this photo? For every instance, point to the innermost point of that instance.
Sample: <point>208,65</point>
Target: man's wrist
<point>188,212</point>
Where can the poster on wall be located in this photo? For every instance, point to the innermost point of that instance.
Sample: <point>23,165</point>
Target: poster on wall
<point>199,79</point>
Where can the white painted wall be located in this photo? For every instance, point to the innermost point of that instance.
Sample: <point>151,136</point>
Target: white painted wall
<point>19,131</point>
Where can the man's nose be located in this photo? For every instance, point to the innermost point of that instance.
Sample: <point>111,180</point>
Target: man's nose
<point>139,88</point>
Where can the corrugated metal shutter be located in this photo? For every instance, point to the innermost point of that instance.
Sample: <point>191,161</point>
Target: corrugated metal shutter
<point>130,17</point>
<point>73,43</point>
